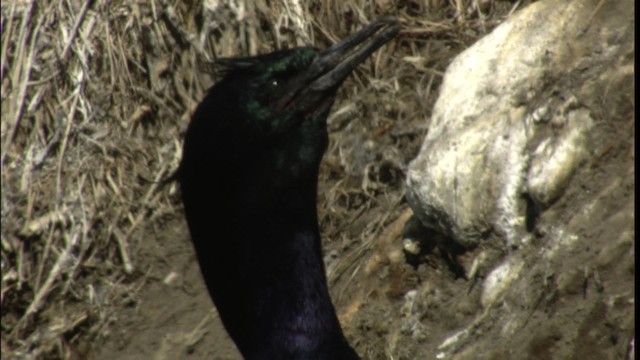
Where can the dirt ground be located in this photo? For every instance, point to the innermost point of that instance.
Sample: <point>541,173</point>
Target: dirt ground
<point>172,317</point>
<point>159,308</point>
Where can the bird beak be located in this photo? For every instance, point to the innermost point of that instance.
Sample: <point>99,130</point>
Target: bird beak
<point>332,66</point>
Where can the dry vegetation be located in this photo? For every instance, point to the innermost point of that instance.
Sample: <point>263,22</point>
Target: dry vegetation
<point>96,96</point>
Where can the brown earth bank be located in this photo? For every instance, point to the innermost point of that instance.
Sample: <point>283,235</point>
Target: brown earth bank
<point>96,257</point>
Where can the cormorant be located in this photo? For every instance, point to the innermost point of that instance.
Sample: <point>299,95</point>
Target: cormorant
<point>248,179</point>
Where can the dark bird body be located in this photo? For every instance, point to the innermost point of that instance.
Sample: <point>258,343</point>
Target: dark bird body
<point>248,179</point>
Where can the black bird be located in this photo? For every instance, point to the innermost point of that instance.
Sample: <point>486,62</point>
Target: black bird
<point>248,180</point>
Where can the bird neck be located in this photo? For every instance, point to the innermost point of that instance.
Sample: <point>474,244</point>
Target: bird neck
<point>254,225</point>
<point>289,310</point>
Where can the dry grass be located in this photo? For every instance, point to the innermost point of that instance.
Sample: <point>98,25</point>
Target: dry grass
<point>96,96</point>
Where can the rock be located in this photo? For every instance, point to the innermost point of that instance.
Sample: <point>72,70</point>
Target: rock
<point>513,120</point>
<point>530,152</point>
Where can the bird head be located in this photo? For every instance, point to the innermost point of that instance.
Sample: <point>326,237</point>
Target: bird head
<point>267,115</point>
<point>273,94</point>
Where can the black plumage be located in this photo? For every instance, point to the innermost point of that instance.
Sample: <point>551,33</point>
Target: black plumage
<point>248,179</point>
